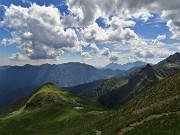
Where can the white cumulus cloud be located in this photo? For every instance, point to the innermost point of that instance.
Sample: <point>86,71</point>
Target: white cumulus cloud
<point>39,31</point>
<point>173,22</point>
<point>17,57</point>
<point>94,33</point>
<point>4,41</point>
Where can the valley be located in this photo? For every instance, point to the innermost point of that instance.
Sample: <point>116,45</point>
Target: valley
<point>51,110</point>
<point>18,81</point>
<point>89,67</point>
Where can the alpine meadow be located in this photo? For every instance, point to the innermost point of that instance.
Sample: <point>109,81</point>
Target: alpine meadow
<point>89,67</point>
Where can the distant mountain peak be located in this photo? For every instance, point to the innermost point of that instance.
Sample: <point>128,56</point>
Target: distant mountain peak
<point>113,64</point>
<point>174,58</point>
<point>126,66</point>
<point>176,53</point>
<point>148,66</point>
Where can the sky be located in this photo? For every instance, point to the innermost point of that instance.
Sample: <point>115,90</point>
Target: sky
<point>96,32</point>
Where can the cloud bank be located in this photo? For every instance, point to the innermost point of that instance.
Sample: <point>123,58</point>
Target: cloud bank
<point>42,32</point>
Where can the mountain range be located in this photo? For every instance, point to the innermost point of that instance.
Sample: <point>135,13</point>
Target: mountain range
<point>77,78</point>
<point>115,92</point>
<point>51,111</point>
<point>126,66</point>
<point>18,81</point>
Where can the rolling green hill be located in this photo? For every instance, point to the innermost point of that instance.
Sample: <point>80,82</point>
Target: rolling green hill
<point>52,111</point>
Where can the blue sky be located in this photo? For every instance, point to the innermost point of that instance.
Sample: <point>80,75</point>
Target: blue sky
<point>86,32</point>
<point>6,51</point>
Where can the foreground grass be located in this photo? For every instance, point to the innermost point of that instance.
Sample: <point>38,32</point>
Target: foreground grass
<point>50,119</point>
<point>51,111</point>
<point>60,118</point>
<point>166,125</point>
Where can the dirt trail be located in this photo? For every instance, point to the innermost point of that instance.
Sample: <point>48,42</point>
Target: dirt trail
<point>137,123</point>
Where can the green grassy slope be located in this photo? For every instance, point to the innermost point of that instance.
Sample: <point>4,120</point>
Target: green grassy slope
<point>50,93</point>
<point>157,99</point>
<point>156,106</point>
<point>165,125</point>
<point>51,111</point>
<point>46,93</point>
